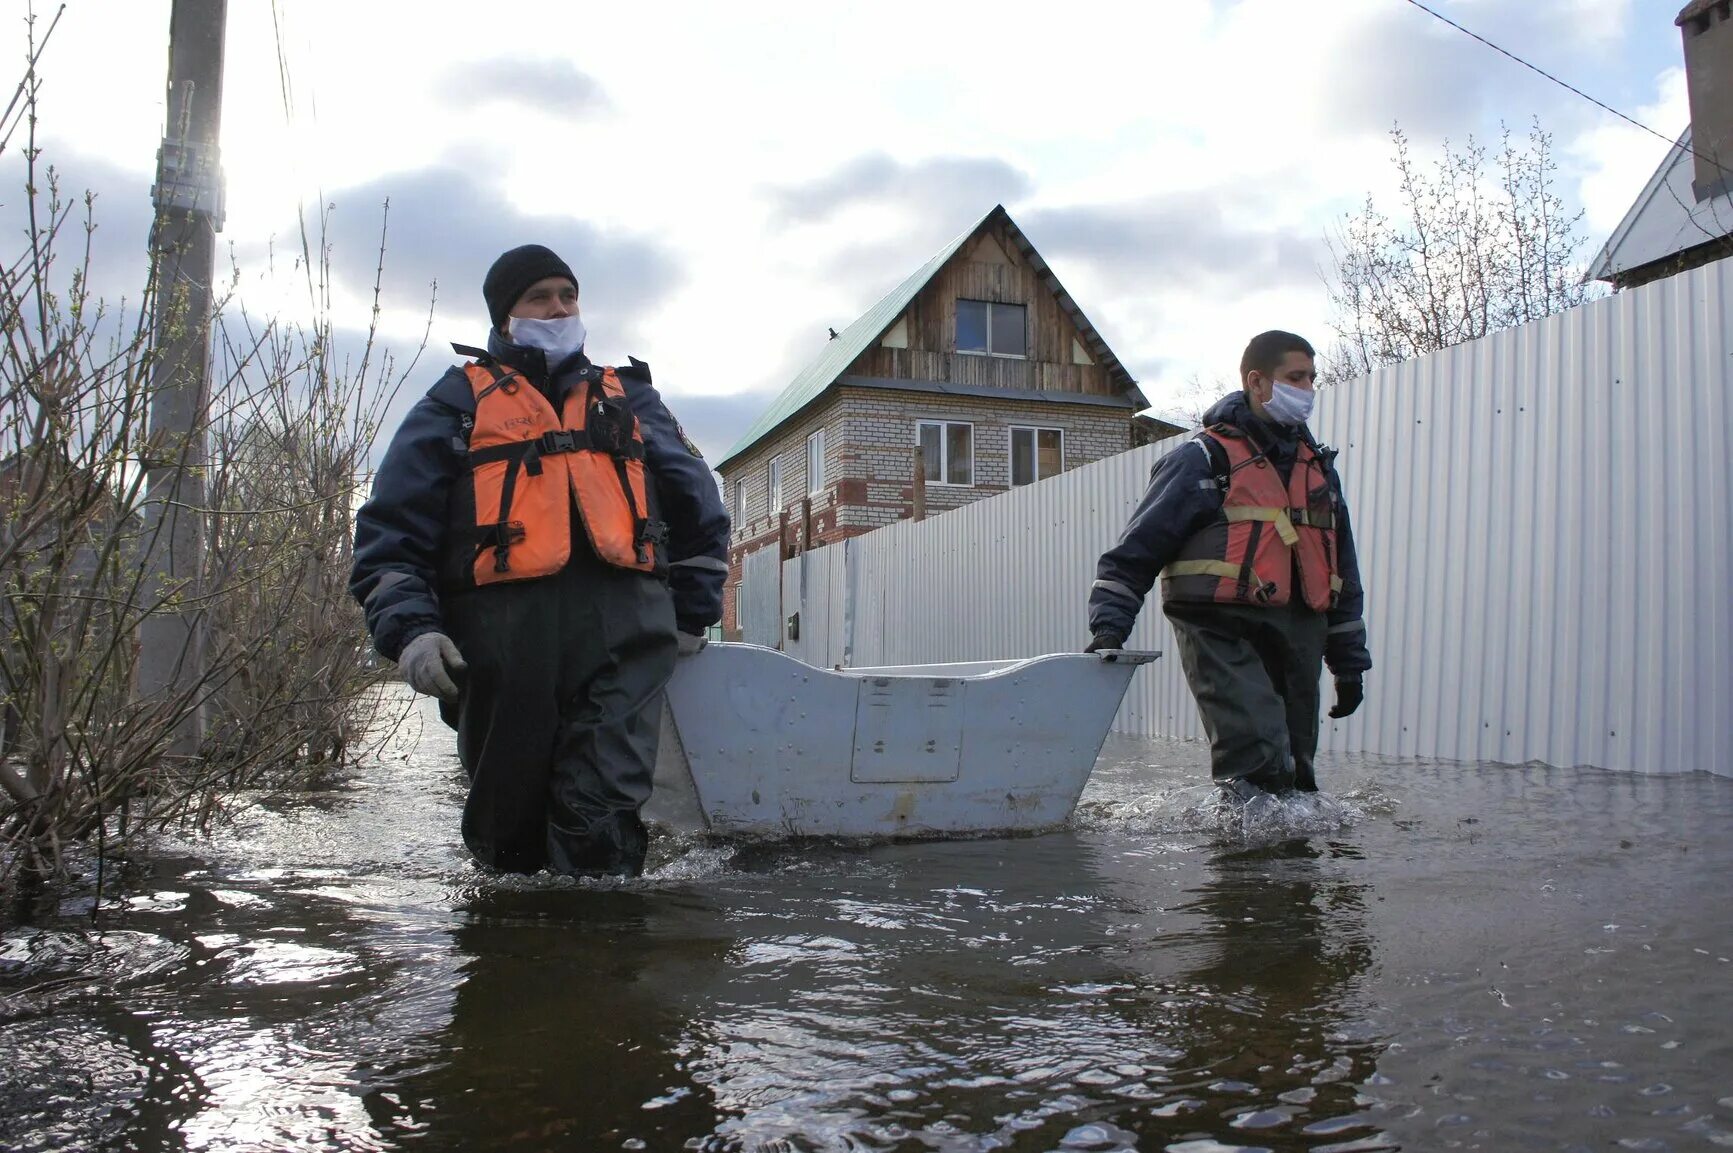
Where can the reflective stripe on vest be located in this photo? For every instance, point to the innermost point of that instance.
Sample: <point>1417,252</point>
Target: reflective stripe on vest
<point>1265,534</point>
<point>528,466</point>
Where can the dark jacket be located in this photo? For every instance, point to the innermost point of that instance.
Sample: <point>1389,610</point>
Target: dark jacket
<point>1185,494</point>
<point>400,531</point>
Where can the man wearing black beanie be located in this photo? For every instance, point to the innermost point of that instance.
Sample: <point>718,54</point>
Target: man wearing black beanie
<point>543,541</point>
<point>513,273</point>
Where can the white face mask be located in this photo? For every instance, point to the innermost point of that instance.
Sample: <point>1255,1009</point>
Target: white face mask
<point>1287,404</point>
<point>558,339</point>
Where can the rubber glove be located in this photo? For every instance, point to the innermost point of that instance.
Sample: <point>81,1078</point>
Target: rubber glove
<point>1350,691</point>
<point>428,662</point>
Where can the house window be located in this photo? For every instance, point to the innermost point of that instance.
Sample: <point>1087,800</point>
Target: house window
<point>737,492</point>
<point>989,329</point>
<point>774,489</point>
<point>948,451</point>
<point>1036,454</point>
<point>815,463</point>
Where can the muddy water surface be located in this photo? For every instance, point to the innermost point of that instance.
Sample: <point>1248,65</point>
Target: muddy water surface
<point>1432,956</point>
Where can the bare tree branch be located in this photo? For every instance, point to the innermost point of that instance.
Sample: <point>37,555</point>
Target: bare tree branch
<point>1473,251</point>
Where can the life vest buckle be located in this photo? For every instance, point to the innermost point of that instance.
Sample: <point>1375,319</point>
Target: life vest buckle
<point>649,532</point>
<point>504,535</point>
<point>560,440</point>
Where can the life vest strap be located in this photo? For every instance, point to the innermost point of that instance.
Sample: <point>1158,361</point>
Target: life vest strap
<point>1275,516</point>
<point>1215,568</point>
<point>552,443</point>
<point>1221,569</point>
<point>499,536</point>
<point>1294,516</point>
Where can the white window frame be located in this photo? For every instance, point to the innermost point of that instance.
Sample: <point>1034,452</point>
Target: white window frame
<point>945,450</point>
<point>815,463</point>
<point>988,351</point>
<point>773,486</point>
<point>737,493</point>
<point>1011,450</point>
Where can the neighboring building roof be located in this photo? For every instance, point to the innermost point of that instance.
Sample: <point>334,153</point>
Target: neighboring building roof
<point>816,378</point>
<point>1666,219</point>
<point>1167,417</point>
<point>1160,425</point>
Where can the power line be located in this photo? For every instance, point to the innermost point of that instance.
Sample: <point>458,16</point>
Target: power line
<point>1562,84</point>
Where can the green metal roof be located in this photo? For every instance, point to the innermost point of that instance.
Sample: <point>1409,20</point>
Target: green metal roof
<point>838,354</point>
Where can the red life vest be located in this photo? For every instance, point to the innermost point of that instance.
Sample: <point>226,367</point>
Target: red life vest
<point>529,467</point>
<point>1265,535</point>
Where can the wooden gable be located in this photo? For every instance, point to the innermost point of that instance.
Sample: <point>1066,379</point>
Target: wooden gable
<point>991,266</point>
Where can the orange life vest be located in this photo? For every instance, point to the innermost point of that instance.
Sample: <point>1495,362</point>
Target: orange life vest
<point>529,466</point>
<point>1265,535</point>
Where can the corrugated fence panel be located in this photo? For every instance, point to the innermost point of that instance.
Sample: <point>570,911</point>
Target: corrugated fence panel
<point>761,598</point>
<point>813,585</point>
<point>1545,526</point>
<point>1009,577</point>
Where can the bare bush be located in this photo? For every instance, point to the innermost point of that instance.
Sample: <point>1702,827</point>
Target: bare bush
<point>283,675</point>
<point>291,451</point>
<point>1478,245</point>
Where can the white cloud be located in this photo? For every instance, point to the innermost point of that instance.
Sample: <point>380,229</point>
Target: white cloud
<point>680,127</point>
<point>1617,159</point>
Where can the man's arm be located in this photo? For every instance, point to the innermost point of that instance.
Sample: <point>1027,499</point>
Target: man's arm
<point>1181,499</point>
<point>400,531</point>
<point>1345,646</point>
<point>690,503</point>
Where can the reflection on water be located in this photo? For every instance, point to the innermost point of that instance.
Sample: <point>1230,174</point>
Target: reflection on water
<point>1428,957</point>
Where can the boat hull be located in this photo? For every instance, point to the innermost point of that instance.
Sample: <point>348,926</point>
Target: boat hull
<point>757,743</point>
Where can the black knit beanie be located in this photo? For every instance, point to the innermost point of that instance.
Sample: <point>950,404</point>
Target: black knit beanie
<point>513,273</point>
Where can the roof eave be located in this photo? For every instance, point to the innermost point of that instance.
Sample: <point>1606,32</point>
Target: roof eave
<point>1604,266</point>
<point>1094,343</point>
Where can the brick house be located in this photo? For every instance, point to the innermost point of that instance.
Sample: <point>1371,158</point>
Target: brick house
<point>979,366</point>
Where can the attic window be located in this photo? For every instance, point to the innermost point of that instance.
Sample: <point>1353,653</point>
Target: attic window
<point>988,329</point>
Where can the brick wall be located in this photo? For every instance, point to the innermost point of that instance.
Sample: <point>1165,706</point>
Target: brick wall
<point>869,466</point>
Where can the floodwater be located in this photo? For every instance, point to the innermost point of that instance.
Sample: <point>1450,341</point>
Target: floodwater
<point>1430,956</point>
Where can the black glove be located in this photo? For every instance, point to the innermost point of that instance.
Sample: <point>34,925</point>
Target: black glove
<point>1350,691</point>
<point>1104,641</point>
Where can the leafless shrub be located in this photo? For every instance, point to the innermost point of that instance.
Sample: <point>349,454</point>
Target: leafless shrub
<point>283,677</point>
<point>1479,244</point>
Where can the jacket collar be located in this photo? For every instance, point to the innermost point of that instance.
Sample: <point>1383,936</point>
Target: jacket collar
<point>1281,439</point>
<point>533,362</point>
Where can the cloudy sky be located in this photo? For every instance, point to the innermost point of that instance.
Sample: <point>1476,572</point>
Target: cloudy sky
<point>730,180</point>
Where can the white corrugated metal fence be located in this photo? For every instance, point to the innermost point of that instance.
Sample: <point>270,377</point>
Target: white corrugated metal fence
<point>1545,525</point>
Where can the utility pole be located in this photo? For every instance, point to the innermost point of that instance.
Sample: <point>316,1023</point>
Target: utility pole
<point>188,198</point>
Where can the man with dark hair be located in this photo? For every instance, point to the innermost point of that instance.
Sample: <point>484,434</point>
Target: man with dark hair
<point>542,541</point>
<point>1248,531</point>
